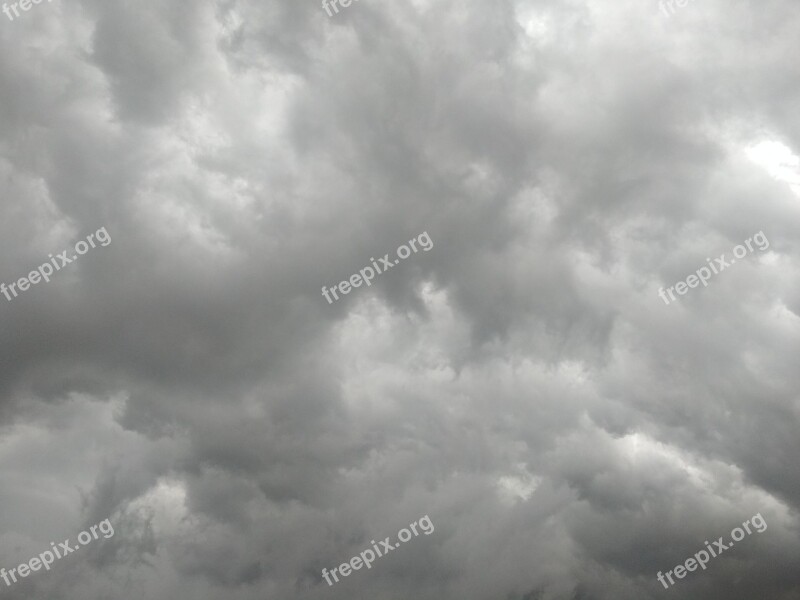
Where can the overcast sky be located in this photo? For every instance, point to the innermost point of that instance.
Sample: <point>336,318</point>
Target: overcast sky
<point>568,433</point>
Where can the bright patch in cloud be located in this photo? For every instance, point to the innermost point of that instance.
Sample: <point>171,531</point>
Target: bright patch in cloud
<point>779,161</point>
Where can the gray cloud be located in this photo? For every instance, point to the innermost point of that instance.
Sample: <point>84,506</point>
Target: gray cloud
<point>522,383</point>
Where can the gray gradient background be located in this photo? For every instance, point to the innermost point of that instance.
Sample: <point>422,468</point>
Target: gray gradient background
<point>521,383</point>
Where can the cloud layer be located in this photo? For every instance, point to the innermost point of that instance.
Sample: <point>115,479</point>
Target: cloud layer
<point>522,383</point>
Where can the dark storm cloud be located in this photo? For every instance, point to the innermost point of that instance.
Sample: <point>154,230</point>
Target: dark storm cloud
<point>522,383</point>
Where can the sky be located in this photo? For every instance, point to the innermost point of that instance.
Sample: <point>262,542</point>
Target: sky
<point>546,382</point>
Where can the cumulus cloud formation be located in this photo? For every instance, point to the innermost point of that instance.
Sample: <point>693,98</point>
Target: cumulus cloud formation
<point>523,384</point>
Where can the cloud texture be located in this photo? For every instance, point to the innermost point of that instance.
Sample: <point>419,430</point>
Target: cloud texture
<point>522,383</point>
